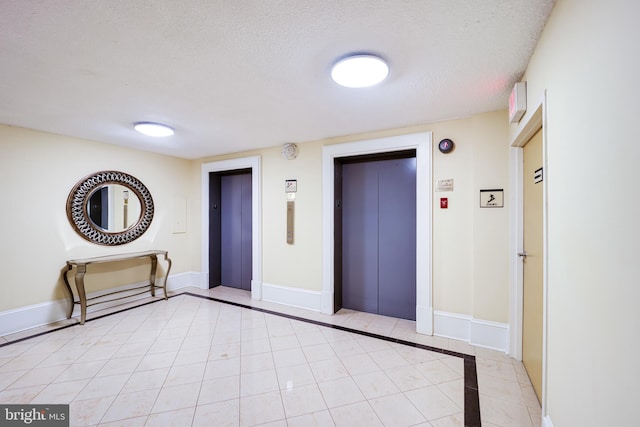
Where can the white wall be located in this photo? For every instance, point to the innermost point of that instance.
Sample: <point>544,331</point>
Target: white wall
<point>588,63</point>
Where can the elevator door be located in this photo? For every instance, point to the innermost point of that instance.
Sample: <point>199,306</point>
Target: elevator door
<point>379,236</point>
<point>230,228</point>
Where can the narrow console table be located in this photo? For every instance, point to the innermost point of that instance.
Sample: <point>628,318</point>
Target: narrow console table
<point>81,269</point>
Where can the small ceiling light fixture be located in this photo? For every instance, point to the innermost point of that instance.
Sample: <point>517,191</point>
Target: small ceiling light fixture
<point>360,70</point>
<point>157,130</point>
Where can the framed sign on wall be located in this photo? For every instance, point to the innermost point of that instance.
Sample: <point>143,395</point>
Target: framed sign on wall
<point>492,198</point>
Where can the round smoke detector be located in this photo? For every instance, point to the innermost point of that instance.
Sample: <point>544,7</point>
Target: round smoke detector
<point>290,151</point>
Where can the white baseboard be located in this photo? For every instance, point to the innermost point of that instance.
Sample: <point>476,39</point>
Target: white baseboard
<point>188,279</point>
<point>489,334</point>
<point>451,325</point>
<point>481,333</point>
<point>301,298</point>
<point>23,318</point>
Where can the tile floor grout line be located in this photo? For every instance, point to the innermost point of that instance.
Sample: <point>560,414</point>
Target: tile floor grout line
<point>471,395</point>
<point>342,328</point>
<point>35,335</point>
<point>39,334</point>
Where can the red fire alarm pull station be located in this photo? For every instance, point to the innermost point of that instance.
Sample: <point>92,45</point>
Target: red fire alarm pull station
<point>444,203</point>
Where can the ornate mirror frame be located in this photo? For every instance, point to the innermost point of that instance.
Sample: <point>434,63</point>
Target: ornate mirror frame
<point>79,217</point>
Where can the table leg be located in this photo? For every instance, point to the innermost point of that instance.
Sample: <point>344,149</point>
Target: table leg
<point>152,277</point>
<point>70,295</point>
<point>81,269</point>
<point>166,278</point>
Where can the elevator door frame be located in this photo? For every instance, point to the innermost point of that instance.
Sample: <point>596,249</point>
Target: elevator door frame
<point>422,143</point>
<point>252,163</point>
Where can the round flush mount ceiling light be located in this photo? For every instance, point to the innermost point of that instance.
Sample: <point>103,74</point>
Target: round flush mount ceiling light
<point>157,130</point>
<point>360,70</point>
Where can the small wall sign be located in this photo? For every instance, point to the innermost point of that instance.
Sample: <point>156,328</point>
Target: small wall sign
<point>492,198</point>
<point>290,185</point>
<point>444,184</point>
<point>538,176</point>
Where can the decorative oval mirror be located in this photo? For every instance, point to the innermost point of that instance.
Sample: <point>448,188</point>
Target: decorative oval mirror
<point>110,208</point>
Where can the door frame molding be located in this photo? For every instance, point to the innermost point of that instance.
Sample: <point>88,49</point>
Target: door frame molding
<point>530,125</point>
<point>422,143</point>
<point>252,163</point>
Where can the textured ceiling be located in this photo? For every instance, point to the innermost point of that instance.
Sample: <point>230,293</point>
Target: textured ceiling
<point>234,75</point>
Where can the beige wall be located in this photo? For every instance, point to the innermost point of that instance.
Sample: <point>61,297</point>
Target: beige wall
<point>38,170</point>
<point>588,63</point>
<point>470,260</point>
<point>298,265</point>
<point>470,249</point>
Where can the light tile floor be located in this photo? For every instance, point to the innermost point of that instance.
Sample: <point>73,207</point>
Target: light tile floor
<point>194,361</point>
